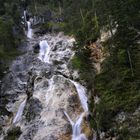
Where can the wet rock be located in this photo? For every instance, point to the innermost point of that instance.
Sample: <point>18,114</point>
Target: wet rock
<point>50,137</point>
<point>33,109</point>
<point>41,31</point>
<point>36,48</point>
<point>56,62</point>
<point>29,131</point>
<point>87,130</point>
<point>52,91</point>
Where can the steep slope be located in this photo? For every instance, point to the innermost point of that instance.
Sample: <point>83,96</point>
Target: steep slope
<point>38,92</point>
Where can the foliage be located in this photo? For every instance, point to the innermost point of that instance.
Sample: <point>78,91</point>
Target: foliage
<point>81,21</point>
<point>9,20</point>
<point>81,62</point>
<point>118,82</point>
<point>10,31</point>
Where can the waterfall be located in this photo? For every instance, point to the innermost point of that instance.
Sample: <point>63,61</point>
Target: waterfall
<point>29,30</point>
<point>44,51</point>
<point>71,122</point>
<point>76,127</point>
<point>94,138</point>
<point>82,95</point>
<point>83,99</point>
<point>20,112</point>
<point>53,91</point>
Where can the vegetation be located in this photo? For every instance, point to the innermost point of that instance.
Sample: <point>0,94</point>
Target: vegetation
<point>10,31</point>
<point>9,22</point>
<point>82,62</point>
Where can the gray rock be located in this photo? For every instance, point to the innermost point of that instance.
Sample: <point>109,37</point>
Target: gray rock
<point>32,109</point>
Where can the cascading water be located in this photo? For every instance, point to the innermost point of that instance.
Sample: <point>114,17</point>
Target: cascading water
<point>44,51</point>
<point>71,122</point>
<point>52,92</point>
<point>76,127</point>
<point>19,112</point>
<point>29,30</point>
<point>82,95</point>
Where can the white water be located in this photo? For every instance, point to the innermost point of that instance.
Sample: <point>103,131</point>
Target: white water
<point>44,51</point>
<point>82,95</point>
<point>94,137</point>
<point>76,127</point>
<point>29,30</point>
<point>81,137</point>
<point>20,112</point>
<point>71,122</point>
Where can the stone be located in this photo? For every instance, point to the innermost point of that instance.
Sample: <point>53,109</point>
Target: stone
<point>52,92</point>
<point>36,48</point>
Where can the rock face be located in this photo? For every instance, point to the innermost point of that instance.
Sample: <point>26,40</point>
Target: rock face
<point>97,55</point>
<point>48,91</point>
